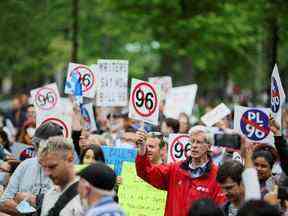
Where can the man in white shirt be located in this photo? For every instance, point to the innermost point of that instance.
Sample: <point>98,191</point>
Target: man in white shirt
<point>63,199</point>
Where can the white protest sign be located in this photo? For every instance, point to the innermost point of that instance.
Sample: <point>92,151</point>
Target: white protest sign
<point>179,147</point>
<point>64,121</point>
<point>88,117</point>
<point>253,123</point>
<point>165,83</point>
<point>180,99</point>
<point>46,98</point>
<point>87,77</point>
<point>144,101</point>
<point>112,84</point>
<point>277,96</point>
<point>215,115</point>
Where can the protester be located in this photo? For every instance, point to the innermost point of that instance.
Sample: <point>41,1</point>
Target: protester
<point>264,160</point>
<point>186,181</point>
<point>169,125</point>
<point>153,149</point>
<point>205,207</point>
<point>92,154</point>
<point>63,199</point>
<point>238,184</point>
<point>96,190</point>
<point>28,180</point>
<point>184,124</point>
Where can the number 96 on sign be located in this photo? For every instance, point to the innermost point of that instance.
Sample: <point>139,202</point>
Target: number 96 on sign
<point>179,147</point>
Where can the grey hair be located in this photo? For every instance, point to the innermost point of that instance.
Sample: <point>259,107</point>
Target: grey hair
<point>56,144</point>
<point>209,135</point>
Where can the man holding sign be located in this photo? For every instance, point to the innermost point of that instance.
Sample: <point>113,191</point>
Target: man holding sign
<point>185,181</point>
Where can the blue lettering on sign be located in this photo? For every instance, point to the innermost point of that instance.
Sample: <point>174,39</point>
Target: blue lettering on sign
<point>117,156</point>
<point>255,124</point>
<point>275,96</point>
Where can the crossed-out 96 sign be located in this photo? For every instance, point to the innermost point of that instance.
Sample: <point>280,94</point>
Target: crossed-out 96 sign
<point>85,75</point>
<point>46,98</point>
<point>179,147</point>
<point>144,99</point>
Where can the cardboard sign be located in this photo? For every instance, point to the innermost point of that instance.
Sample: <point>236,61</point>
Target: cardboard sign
<point>88,117</point>
<point>113,83</point>
<point>253,123</point>
<point>180,99</point>
<point>144,102</point>
<point>137,197</point>
<point>215,115</point>
<point>117,156</point>
<point>83,74</point>
<point>64,121</point>
<point>165,83</point>
<point>178,147</point>
<point>277,96</point>
<point>46,98</point>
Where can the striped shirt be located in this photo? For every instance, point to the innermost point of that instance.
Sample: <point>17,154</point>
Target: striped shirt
<point>106,206</point>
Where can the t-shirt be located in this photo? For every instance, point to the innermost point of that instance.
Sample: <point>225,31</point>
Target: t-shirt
<point>72,208</point>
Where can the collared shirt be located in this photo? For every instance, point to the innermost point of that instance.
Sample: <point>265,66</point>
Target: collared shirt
<point>106,206</point>
<point>198,171</point>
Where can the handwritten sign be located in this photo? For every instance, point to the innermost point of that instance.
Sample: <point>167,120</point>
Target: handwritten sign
<point>137,197</point>
<point>180,99</point>
<point>215,115</point>
<point>113,83</point>
<point>117,156</point>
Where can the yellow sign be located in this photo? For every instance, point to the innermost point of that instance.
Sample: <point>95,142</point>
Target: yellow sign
<point>138,198</point>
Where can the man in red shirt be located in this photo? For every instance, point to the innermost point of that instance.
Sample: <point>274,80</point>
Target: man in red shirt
<point>185,181</point>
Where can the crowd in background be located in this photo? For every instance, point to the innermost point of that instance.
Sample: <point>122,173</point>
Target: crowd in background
<point>234,183</point>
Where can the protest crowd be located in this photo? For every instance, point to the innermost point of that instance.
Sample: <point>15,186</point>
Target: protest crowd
<point>73,156</point>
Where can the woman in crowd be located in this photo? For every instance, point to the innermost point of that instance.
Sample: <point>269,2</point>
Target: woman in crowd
<point>92,154</point>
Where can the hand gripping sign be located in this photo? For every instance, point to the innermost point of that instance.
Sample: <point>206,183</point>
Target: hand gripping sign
<point>277,96</point>
<point>179,147</point>
<point>253,123</point>
<point>46,98</point>
<point>88,117</point>
<point>87,77</point>
<point>144,102</point>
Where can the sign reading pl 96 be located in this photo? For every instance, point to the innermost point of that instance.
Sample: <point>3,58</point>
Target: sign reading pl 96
<point>253,123</point>
<point>144,101</point>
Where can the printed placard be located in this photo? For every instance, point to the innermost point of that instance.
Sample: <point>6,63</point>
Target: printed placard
<point>253,123</point>
<point>88,117</point>
<point>180,99</point>
<point>64,121</point>
<point>165,83</point>
<point>277,96</point>
<point>215,115</point>
<point>83,74</point>
<point>46,98</point>
<point>113,82</point>
<point>144,101</point>
<point>179,147</point>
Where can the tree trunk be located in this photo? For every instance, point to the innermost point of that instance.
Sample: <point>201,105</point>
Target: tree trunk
<point>75,30</point>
